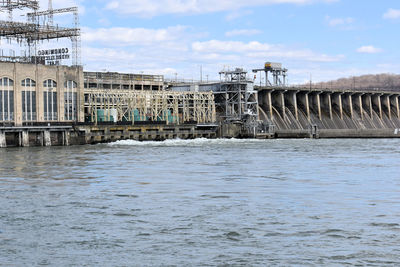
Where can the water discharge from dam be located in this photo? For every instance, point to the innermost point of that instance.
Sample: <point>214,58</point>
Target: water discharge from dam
<point>295,112</point>
<point>202,203</point>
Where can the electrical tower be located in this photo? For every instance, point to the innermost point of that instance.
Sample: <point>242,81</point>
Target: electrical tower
<point>11,5</point>
<point>40,27</point>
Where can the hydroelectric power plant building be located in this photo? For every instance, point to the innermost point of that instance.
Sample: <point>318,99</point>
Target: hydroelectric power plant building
<point>46,101</point>
<point>35,93</point>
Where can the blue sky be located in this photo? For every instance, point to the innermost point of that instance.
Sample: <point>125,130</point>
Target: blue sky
<point>327,39</point>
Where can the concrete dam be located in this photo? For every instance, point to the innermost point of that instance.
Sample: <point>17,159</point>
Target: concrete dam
<point>329,113</point>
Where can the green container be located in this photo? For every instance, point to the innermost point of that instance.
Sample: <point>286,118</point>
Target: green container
<point>137,117</point>
<point>102,117</point>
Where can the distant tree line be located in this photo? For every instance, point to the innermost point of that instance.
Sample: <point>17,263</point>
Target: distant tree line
<point>385,82</point>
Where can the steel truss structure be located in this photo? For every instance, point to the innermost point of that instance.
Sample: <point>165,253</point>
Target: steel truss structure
<point>237,100</point>
<point>39,28</point>
<point>171,107</point>
<point>28,31</point>
<point>10,5</point>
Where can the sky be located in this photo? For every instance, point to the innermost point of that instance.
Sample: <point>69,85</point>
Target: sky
<point>317,39</point>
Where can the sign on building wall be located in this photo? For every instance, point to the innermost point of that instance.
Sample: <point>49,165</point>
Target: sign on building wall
<point>53,56</point>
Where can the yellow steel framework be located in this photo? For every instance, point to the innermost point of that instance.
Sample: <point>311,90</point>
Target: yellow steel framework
<point>180,107</point>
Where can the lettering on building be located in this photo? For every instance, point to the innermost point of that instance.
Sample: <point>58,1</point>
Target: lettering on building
<point>53,56</point>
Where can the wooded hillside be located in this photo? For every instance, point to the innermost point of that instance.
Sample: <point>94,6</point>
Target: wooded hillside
<point>379,81</point>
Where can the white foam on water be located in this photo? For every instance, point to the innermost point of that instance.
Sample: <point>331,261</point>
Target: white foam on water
<point>184,142</point>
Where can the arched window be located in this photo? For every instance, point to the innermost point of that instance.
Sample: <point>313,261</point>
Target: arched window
<point>70,85</point>
<point>6,82</point>
<point>49,84</point>
<point>6,99</point>
<point>50,100</point>
<point>70,100</point>
<point>28,83</point>
<point>28,100</point>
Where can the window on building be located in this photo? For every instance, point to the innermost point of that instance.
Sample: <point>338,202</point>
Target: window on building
<point>6,99</point>
<point>50,100</point>
<point>70,101</point>
<point>50,84</point>
<point>28,83</point>
<point>28,100</point>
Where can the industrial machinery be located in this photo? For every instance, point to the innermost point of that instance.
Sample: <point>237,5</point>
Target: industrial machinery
<point>279,74</point>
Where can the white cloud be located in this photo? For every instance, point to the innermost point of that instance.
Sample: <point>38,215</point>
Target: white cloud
<point>369,49</point>
<point>177,50</point>
<point>333,22</point>
<point>392,14</point>
<point>149,8</point>
<point>132,36</point>
<point>236,14</point>
<point>242,32</point>
<point>260,50</point>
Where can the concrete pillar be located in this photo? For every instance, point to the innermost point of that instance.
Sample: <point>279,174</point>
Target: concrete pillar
<point>319,106</point>
<point>380,106</point>
<point>369,103</point>
<point>41,138</point>
<point>24,139</point>
<point>397,106</point>
<point>296,111</point>
<point>46,138</point>
<point>361,107</point>
<point>351,106</point>
<point>307,106</point>
<point>3,142</point>
<point>330,106</point>
<point>270,107</point>
<point>389,107</point>
<point>66,138</point>
<point>340,106</point>
<point>283,107</point>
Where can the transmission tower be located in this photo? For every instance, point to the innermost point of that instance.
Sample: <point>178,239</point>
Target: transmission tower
<point>11,5</point>
<point>40,27</point>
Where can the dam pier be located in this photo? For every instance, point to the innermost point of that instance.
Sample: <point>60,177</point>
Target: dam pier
<point>330,113</point>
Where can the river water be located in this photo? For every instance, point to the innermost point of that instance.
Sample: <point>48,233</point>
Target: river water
<point>202,203</point>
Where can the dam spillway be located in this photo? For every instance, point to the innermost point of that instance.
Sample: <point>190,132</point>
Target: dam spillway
<point>301,112</point>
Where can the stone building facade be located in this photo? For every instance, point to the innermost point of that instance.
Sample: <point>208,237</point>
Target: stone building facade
<point>31,93</point>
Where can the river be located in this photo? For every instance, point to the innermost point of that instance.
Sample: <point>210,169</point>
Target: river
<point>202,203</point>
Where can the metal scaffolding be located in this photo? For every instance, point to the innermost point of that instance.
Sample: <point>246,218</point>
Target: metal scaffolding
<point>11,5</point>
<point>47,18</point>
<point>236,100</point>
<point>171,107</point>
<point>39,28</point>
